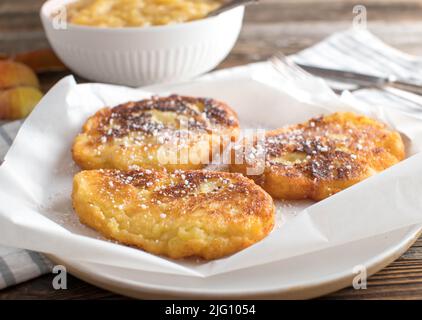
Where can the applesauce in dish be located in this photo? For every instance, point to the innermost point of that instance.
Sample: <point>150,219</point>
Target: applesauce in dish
<point>138,13</point>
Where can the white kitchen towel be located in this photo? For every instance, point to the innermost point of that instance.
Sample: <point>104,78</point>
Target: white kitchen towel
<point>359,50</point>
<point>351,50</point>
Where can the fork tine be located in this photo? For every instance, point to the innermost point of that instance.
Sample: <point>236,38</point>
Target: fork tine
<point>294,66</point>
<point>283,64</point>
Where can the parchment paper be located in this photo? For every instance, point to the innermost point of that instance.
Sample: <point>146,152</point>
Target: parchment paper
<point>36,177</point>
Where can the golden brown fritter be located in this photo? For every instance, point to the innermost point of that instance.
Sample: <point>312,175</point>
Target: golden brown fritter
<point>174,132</point>
<point>321,157</point>
<point>181,214</point>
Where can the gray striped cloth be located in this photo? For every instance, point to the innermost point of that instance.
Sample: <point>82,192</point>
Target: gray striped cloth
<point>17,265</point>
<point>351,50</point>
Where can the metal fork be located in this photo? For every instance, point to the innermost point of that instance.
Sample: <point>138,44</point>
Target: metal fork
<point>303,83</point>
<point>231,5</point>
<point>290,71</point>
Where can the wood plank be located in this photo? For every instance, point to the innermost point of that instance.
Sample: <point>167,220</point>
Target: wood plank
<point>328,11</point>
<point>41,289</point>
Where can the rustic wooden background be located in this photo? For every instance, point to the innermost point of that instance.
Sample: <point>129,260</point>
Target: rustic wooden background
<point>288,26</point>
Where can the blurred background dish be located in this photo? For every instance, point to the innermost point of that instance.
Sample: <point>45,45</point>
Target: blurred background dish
<point>137,56</point>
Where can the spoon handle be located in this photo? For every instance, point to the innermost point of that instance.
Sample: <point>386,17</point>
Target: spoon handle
<point>230,5</point>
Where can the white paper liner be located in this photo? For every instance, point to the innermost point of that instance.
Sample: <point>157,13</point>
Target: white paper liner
<point>36,178</point>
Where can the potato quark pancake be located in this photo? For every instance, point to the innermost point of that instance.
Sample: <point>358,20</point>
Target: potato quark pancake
<point>170,133</point>
<point>320,157</point>
<point>182,214</point>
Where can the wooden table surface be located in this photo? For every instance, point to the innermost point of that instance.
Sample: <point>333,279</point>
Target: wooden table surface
<point>274,25</point>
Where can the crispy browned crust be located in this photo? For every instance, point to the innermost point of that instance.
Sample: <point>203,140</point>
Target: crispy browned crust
<point>152,134</point>
<point>181,214</point>
<point>323,156</point>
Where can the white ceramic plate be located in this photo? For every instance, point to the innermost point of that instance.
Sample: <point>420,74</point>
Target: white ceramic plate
<point>303,277</point>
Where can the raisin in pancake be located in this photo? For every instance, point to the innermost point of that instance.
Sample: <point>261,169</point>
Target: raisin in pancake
<point>320,157</point>
<point>174,132</point>
<point>182,214</point>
